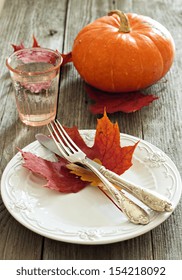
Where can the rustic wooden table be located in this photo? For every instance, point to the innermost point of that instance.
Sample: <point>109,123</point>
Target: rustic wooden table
<point>55,24</point>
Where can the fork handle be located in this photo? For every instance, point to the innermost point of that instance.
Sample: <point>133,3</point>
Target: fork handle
<point>150,198</point>
<point>134,212</point>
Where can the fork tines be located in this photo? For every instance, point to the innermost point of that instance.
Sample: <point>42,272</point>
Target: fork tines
<point>61,137</point>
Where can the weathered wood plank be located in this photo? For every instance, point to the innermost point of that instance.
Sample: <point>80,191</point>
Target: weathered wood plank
<point>19,21</point>
<point>127,250</point>
<point>162,123</point>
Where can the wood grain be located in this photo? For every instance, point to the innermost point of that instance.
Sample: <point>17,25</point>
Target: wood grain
<point>19,21</point>
<point>56,24</point>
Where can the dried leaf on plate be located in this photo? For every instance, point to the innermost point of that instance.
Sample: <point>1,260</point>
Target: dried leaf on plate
<point>85,174</point>
<point>57,175</point>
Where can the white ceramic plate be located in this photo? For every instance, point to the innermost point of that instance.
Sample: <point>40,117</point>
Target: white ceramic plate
<point>87,217</point>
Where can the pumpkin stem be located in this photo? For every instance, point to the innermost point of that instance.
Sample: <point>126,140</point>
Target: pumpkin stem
<point>124,22</point>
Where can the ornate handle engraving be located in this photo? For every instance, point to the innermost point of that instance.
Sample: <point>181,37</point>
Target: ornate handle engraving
<point>150,198</point>
<point>135,213</point>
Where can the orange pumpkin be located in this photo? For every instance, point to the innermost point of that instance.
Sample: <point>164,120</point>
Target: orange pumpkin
<point>123,52</point>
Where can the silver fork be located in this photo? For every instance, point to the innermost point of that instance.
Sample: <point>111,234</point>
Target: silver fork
<point>71,152</point>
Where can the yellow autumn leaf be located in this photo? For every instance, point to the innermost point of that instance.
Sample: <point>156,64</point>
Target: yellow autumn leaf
<point>86,174</point>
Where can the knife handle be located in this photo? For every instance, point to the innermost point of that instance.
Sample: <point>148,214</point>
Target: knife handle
<point>134,212</point>
<point>150,198</point>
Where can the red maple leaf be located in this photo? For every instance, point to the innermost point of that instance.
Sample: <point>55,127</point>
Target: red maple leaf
<point>56,173</point>
<point>66,57</point>
<point>106,148</point>
<point>126,102</point>
<point>21,46</point>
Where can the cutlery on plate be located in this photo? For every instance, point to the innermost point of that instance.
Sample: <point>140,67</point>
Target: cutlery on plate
<point>73,154</point>
<point>150,198</point>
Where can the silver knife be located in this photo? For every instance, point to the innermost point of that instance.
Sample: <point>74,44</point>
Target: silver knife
<point>150,198</point>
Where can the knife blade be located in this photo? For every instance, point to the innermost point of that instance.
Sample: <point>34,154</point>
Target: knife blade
<point>150,198</point>
<point>48,143</point>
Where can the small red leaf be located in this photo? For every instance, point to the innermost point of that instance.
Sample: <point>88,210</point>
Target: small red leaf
<point>18,47</point>
<point>21,46</point>
<point>66,58</point>
<point>35,43</point>
<point>57,175</point>
<point>126,102</point>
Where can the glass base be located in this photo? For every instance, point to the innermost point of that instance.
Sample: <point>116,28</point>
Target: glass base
<point>37,120</point>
